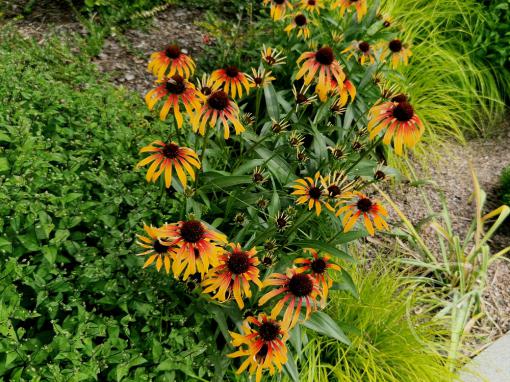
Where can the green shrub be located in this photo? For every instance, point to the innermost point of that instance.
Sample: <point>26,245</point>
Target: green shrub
<point>504,182</point>
<point>496,34</point>
<point>394,339</point>
<point>74,305</point>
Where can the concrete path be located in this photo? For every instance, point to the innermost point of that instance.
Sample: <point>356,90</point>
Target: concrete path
<point>492,365</point>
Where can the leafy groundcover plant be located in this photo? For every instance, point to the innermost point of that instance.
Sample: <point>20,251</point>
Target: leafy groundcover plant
<point>73,303</point>
<point>268,165</point>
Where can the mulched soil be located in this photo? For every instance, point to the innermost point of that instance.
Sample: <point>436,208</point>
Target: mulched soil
<point>124,57</point>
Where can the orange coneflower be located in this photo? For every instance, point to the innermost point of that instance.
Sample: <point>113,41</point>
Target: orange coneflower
<point>370,209</point>
<point>362,51</point>
<point>233,276</point>
<point>360,5</point>
<point>218,107</point>
<point>402,123</point>
<point>168,156</point>
<point>300,23</point>
<point>312,5</point>
<point>197,246</point>
<point>260,78</point>
<point>157,251</point>
<point>398,51</point>
<point>232,79</point>
<point>311,191</point>
<point>318,267</point>
<point>323,63</point>
<point>265,345</point>
<point>272,56</point>
<point>278,8</point>
<point>345,90</point>
<point>178,90</point>
<point>173,60</point>
<point>297,289</point>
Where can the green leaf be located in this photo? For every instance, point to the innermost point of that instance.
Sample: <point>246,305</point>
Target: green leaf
<point>322,323</point>
<point>218,180</point>
<point>347,283</point>
<point>50,254</point>
<point>29,241</point>
<point>321,245</point>
<point>290,367</point>
<point>271,102</point>
<point>60,236</point>
<point>4,138</point>
<point>5,245</point>
<point>4,165</point>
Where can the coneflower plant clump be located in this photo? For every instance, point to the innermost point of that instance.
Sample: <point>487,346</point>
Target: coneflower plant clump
<point>266,171</point>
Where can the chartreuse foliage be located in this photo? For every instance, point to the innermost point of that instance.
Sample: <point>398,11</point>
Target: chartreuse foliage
<point>392,339</point>
<point>74,305</point>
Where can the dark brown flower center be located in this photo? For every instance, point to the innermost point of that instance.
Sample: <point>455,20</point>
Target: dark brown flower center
<point>312,2</point>
<point>258,80</point>
<point>356,146</point>
<point>218,100</point>
<point>159,248</point>
<point>175,85</point>
<point>258,177</point>
<point>267,261</point>
<point>318,265</point>
<point>300,20</point>
<point>300,285</point>
<point>232,71</point>
<point>301,98</point>
<point>192,231</point>
<point>279,1</point>
<point>386,24</point>
<point>399,98</point>
<point>171,150</point>
<point>364,204</point>
<point>282,222</point>
<point>403,111</point>
<point>334,190</point>
<point>173,51</point>
<point>238,262</point>
<point>206,90</point>
<point>269,331</point>
<point>364,46</point>
<point>395,46</point>
<point>325,56</point>
<point>379,175</point>
<point>315,192</point>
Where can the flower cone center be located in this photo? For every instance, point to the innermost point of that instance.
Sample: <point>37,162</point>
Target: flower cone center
<point>192,231</point>
<point>403,111</point>
<point>173,51</point>
<point>325,56</point>
<point>364,204</point>
<point>269,331</point>
<point>218,100</point>
<point>318,266</point>
<point>300,285</point>
<point>395,46</point>
<point>175,85</point>
<point>238,262</point>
